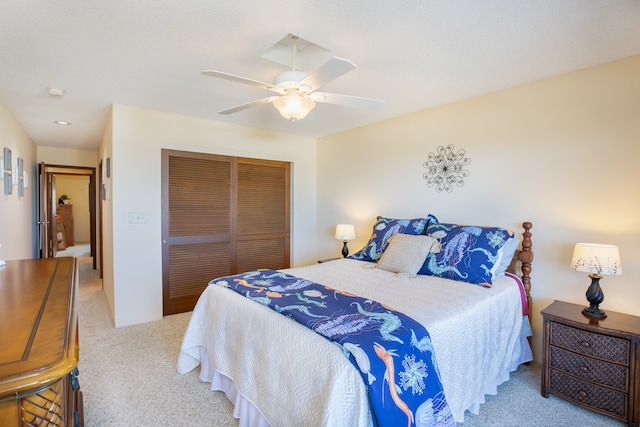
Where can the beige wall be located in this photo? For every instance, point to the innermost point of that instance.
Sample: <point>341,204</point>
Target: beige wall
<point>67,157</point>
<point>17,214</point>
<point>562,153</point>
<point>136,139</point>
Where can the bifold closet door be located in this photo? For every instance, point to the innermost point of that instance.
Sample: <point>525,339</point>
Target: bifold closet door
<point>262,217</point>
<point>220,215</point>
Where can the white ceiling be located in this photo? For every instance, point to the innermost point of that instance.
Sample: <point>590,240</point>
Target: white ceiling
<point>415,54</point>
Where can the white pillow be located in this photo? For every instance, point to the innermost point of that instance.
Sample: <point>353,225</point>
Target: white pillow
<point>406,253</point>
<point>505,255</point>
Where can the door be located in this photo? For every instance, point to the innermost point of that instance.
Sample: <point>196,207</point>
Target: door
<point>46,213</point>
<point>220,215</point>
<point>261,221</point>
<point>47,200</point>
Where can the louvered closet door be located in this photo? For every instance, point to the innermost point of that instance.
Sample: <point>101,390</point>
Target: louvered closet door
<point>221,215</point>
<point>196,225</point>
<point>262,226</point>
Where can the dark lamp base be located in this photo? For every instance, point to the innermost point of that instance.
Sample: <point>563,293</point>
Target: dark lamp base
<point>594,314</point>
<point>345,249</point>
<point>595,296</point>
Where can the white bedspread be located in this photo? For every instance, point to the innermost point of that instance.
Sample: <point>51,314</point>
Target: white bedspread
<point>295,377</point>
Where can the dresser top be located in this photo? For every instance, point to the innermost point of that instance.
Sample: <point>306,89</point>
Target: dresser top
<point>38,322</point>
<point>618,322</point>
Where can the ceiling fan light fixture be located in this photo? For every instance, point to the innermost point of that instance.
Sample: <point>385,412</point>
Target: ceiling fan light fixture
<point>293,105</point>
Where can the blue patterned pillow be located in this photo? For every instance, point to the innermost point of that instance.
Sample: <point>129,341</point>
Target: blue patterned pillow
<point>384,228</point>
<point>467,253</point>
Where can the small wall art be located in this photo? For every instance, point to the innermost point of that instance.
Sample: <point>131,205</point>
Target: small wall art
<point>7,159</point>
<point>8,182</point>
<point>20,177</point>
<point>445,168</point>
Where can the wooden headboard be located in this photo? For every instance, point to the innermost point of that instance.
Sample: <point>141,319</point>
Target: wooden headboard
<point>524,257</point>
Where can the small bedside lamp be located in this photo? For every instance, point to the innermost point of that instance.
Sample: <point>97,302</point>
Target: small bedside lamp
<point>597,260</point>
<point>345,232</point>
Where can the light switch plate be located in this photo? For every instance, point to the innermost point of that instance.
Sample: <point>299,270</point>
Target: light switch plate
<point>137,217</point>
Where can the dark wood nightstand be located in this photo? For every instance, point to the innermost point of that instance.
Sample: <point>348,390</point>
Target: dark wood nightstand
<point>592,363</point>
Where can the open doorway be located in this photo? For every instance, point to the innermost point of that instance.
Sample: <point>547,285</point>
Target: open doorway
<point>73,215</point>
<point>67,216</point>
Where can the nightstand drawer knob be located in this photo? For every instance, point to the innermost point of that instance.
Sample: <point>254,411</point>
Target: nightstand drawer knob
<point>584,369</point>
<point>585,344</point>
<point>582,394</point>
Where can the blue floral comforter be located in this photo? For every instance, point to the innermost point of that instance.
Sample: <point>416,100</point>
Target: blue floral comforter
<point>393,352</point>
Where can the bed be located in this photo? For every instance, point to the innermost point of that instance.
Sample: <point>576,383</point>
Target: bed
<point>277,372</point>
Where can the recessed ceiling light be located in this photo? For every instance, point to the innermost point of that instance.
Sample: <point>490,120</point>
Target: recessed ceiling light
<point>62,123</point>
<point>55,91</point>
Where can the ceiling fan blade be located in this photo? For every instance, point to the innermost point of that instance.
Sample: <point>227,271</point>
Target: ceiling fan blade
<point>346,100</point>
<point>331,70</point>
<point>248,105</point>
<point>238,79</point>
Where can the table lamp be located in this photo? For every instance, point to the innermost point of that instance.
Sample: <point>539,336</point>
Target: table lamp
<point>597,260</point>
<point>345,232</point>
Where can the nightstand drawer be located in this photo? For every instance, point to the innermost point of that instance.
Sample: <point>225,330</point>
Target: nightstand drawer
<point>590,344</point>
<point>593,370</point>
<point>612,402</point>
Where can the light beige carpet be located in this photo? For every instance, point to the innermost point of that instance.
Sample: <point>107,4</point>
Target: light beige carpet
<point>128,377</point>
<point>79,250</point>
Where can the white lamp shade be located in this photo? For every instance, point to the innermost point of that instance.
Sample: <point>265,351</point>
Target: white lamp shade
<point>345,232</point>
<point>293,106</point>
<point>596,259</point>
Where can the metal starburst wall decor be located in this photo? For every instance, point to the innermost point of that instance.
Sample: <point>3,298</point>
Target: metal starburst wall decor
<point>445,168</point>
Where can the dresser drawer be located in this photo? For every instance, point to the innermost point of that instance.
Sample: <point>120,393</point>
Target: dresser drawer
<point>593,370</point>
<point>590,344</point>
<point>601,398</point>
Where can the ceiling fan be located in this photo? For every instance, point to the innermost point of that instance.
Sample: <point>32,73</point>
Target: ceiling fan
<point>297,91</point>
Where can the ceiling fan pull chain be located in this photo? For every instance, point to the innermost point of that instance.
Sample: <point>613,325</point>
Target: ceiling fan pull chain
<point>294,57</point>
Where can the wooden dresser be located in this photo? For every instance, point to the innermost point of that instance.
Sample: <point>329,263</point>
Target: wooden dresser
<point>592,363</point>
<point>39,343</point>
<point>66,217</point>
